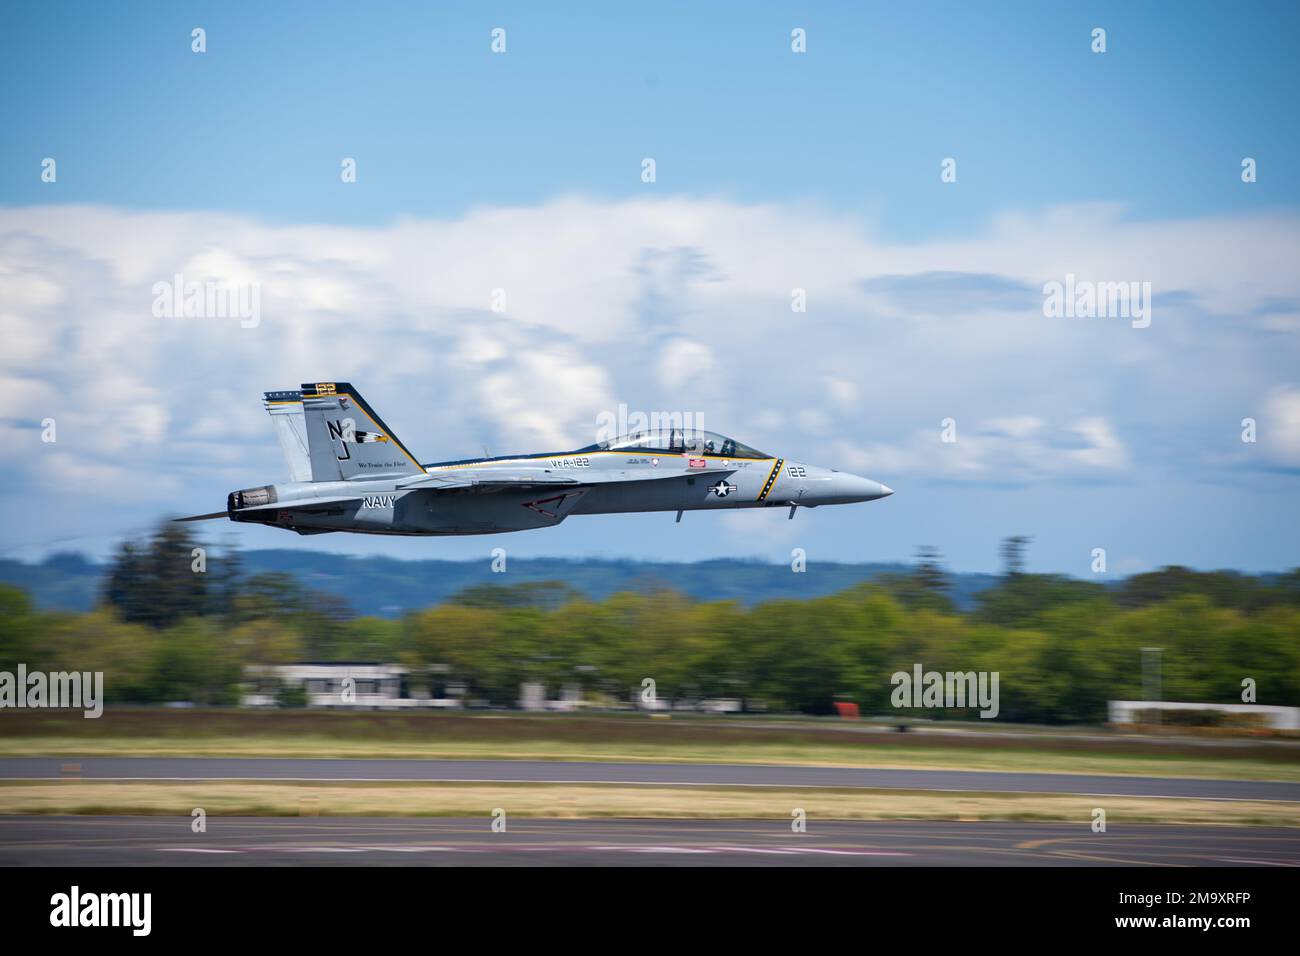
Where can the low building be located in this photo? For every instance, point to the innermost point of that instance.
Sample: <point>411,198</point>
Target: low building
<point>338,684</point>
<point>532,696</point>
<point>1192,714</point>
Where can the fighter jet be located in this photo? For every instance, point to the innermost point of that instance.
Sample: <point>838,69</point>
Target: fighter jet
<point>350,472</point>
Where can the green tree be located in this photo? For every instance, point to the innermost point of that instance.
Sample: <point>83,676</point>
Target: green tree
<point>156,584</point>
<point>20,629</point>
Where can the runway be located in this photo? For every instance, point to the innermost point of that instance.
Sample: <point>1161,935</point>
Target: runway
<point>286,841</point>
<point>643,774</point>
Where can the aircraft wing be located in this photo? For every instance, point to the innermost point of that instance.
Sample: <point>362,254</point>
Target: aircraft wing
<point>482,480</point>
<point>495,479</point>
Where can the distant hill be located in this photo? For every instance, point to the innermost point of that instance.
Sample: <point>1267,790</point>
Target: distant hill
<point>62,582</point>
<point>389,586</point>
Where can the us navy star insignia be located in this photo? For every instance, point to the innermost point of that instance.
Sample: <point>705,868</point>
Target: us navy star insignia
<point>722,488</point>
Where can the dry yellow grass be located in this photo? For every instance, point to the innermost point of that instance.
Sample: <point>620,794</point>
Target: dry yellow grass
<point>994,757</point>
<point>569,801</point>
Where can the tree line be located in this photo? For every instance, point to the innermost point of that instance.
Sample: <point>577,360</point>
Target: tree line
<point>1063,647</point>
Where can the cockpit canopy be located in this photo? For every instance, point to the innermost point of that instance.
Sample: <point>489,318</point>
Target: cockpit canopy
<point>679,441</point>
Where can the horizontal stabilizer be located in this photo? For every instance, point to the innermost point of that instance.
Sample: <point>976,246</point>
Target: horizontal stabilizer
<point>215,514</point>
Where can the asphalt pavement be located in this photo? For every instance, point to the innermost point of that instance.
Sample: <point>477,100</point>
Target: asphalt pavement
<point>681,774</point>
<point>408,841</point>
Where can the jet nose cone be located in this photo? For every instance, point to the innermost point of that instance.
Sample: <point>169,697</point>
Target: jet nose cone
<point>874,490</point>
<point>856,488</point>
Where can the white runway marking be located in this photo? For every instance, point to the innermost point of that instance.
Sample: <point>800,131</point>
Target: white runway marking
<point>652,849</point>
<point>1229,859</point>
<point>192,849</point>
<point>606,848</point>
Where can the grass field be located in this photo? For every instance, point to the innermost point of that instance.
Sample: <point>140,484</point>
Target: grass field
<point>161,732</point>
<point>235,798</point>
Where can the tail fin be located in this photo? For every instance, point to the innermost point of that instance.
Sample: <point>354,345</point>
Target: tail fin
<point>285,409</point>
<point>346,439</point>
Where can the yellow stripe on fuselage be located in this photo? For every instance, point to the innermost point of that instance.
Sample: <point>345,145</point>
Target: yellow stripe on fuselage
<point>771,480</point>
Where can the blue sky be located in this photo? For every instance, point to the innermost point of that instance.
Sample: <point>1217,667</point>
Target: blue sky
<point>774,170</point>
<point>1012,90</point>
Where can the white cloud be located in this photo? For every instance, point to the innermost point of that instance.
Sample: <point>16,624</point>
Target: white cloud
<point>664,304</point>
<point>682,361</point>
<point>1101,449</point>
<point>1020,426</point>
<point>1006,451</point>
<point>1279,430</point>
<point>842,392</point>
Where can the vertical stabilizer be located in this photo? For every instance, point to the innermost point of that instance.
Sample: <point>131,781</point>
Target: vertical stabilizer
<point>285,409</point>
<point>346,438</point>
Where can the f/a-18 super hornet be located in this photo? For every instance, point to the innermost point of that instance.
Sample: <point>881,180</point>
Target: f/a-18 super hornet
<point>349,472</point>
